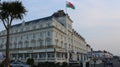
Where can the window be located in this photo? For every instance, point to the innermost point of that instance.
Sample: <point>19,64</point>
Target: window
<point>34,27</point>
<point>41,42</point>
<point>41,34</point>
<point>48,24</point>
<point>26,55</point>
<point>26,28</point>
<point>1,46</point>
<point>16,31</point>
<point>20,45</point>
<point>48,41</point>
<point>44,33</point>
<point>48,33</point>
<point>21,29</point>
<point>26,44</point>
<point>42,55</point>
<point>21,37</point>
<point>34,35</point>
<point>56,42</point>
<point>40,26</point>
<point>34,55</point>
<point>56,34</point>
<point>15,45</point>
<point>33,43</point>
<point>27,37</point>
<point>10,45</point>
<point>20,56</point>
<point>61,44</point>
<point>49,55</point>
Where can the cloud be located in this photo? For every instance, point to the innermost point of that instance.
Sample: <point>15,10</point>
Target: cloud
<point>98,21</point>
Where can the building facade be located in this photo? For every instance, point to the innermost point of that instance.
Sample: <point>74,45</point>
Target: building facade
<point>100,56</point>
<point>49,39</point>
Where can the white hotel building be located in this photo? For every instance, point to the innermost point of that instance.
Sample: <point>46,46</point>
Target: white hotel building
<point>49,39</point>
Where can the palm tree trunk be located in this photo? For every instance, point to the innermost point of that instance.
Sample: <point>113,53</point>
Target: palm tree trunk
<point>7,59</point>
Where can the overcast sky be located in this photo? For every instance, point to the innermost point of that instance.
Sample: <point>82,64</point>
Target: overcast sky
<point>98,21</point>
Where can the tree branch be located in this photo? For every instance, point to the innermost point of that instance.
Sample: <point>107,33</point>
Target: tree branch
<point>4,23</point>
<point>11,21</point>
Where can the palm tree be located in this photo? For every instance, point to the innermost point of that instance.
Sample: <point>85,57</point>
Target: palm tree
<point>10,11</point>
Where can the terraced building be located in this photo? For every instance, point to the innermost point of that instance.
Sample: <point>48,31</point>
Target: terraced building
<point>49,39</point>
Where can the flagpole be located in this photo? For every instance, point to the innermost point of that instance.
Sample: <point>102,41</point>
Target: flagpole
<point>67,31</point>
<point>65,6</point>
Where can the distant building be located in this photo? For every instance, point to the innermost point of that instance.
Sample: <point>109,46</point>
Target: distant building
<point>49,39</point>
<point>100,55</point>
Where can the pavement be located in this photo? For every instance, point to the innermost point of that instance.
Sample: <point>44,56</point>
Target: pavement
<point>116,63</point>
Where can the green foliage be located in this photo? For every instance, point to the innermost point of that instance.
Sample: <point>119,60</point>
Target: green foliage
<point>47,64</point>
<point>2,64</point>
<point>64,64</point>
<point>12,10</point>
<point>30,61</point>
<point>87,64</point>
<point>57,65</point>
<point>52,64</point>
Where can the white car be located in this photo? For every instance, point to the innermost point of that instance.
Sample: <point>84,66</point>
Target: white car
<point>19,64</point>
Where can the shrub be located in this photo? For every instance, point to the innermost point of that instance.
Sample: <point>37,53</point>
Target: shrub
<point>87,64</point>
<point>30,61</point>
<point>47,64</point>
<point>64,64</point>
<point>2,64</point>
<point>57,65</point>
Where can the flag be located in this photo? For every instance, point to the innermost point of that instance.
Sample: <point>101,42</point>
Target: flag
<point>70,5</point>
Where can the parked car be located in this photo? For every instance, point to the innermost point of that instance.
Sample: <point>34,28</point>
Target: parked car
<point>19,64</point>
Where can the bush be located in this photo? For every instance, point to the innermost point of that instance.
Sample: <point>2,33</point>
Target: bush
<point>34,65</point>
<point>87,64</point>
<point>64,64</point>
<point>57,65</point>
<point>81,64</point>
<point>47,64</point>
<point>30,61</point>
<point>2,64</point>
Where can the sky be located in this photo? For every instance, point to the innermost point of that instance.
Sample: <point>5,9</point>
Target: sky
<point>98,21</point>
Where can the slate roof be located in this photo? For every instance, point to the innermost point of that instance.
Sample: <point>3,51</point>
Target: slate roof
<point>33,21</point>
